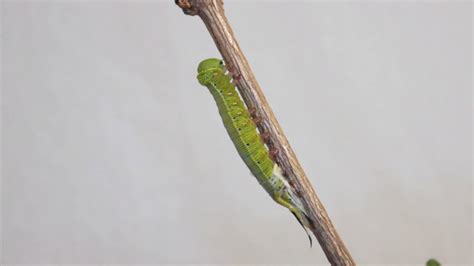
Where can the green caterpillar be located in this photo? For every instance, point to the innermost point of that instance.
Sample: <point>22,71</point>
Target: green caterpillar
<point>243,132</point>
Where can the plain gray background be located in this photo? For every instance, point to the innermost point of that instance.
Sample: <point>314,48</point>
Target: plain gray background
<point>113,153</point>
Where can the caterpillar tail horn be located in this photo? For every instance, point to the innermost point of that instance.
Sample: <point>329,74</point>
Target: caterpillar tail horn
<point>304,227</point>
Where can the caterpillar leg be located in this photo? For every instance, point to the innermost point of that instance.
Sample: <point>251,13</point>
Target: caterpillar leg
<point>265,137</point>
<point>257,120</point>
<point>255,117</point>
<point>273,153</point>
<point>252,111</point>
<point>235,76</point>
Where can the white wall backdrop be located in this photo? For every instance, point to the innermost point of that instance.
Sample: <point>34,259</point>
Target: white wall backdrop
<point>113,153</point>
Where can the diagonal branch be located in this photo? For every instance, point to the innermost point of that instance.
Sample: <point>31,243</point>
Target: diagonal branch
<point>212,14</point>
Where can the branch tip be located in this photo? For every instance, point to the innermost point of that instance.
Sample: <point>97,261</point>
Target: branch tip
<point>187,8</point>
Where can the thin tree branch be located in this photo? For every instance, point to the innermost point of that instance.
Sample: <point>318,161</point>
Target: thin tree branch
<point>212,14</point>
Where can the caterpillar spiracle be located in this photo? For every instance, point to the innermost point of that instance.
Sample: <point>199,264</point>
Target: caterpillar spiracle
<point>248,142</point>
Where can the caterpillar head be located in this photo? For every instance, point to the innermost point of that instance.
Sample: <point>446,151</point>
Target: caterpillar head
<point>207,67</point>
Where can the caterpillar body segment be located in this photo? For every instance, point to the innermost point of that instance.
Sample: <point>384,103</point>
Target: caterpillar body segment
<point>248,142</point>
<point>236,118</point>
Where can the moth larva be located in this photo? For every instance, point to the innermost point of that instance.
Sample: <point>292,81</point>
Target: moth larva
<point>246,139</point>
